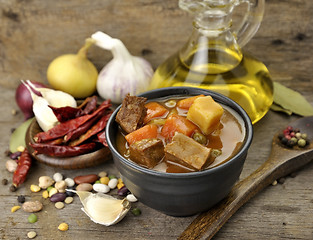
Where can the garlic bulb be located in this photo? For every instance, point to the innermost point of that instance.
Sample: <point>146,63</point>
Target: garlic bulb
<point>102,208</point>
<point>43,113</point>
<point>124,73</point>
<point>55,98</point>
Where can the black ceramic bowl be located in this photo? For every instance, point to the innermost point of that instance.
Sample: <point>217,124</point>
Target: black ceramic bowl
<point>181,194</point>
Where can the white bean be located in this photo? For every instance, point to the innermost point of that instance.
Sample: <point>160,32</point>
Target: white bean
<point>11,165</point>
<point>69,182</point>
<point>131,198</point>
<point>57,177</point>
<point>99,187</point>
<point>113,183</point>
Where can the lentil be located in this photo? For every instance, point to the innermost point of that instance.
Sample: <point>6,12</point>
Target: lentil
<point>49,188</point>
<point>59,205</point>
<point>136,211</point>
<point>15,208</point>
<point>34,188</point>
<point>63,227</point>
<point>31,234</point>
<point>274,183</point>
<point>21,199</point>
<point>69,200</point>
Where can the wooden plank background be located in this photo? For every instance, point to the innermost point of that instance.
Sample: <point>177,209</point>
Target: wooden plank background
<point>33,32</point>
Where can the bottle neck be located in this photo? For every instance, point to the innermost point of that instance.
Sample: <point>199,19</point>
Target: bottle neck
<point>212,48</point>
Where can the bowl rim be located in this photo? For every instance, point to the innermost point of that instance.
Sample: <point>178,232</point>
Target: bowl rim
<point>179,91</point>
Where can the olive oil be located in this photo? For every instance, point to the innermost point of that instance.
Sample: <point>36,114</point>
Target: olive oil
<point>236,75</point>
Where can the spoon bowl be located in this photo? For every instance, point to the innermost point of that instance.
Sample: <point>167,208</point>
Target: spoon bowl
<point>281,162</point>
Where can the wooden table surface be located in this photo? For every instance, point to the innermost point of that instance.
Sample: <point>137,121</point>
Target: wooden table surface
<point>34,32</point>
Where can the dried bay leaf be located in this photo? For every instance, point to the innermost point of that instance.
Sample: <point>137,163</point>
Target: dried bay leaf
<point>278,108</point>
<point>290,100</point>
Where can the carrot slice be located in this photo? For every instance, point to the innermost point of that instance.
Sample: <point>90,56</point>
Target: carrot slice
<point>147,131</point>
<point>177,123</point>
<point>187,102</point>
<point>154,110</point>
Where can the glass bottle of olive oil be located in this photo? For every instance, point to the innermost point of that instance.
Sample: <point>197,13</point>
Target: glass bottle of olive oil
<point>212,58</point>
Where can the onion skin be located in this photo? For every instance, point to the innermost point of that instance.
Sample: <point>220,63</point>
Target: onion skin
<point>24,100</point>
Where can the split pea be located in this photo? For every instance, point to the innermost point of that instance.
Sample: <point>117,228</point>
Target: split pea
<point>63,227</point>
<point>34,188</point>
<point>104,180</point>
<point>15,208</point>
<point>45,194</point>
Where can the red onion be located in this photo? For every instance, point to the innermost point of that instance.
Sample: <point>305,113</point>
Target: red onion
<point>24,99</point>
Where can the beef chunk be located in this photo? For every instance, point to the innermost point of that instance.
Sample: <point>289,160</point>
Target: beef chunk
<point>187,151</point>
<point>131,115</point>
<point>147,152</point>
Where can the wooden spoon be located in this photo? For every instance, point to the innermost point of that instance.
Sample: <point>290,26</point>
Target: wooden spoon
<point>281,162</point>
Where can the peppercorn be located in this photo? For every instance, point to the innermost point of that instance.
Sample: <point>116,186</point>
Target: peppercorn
<point>13,188</point>
<point>5,181</point>
<point>301,142</point>
<point>21,199</point>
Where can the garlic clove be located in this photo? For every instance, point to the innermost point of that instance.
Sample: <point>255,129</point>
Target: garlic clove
<point>55,98</point>
<point>102,208</point>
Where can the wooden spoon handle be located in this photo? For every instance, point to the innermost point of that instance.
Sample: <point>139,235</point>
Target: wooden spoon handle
<point>208,223</point>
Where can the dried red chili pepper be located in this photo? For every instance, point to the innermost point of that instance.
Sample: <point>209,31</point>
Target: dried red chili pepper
<point>99,126</point>
<point>22,169</point>
<point>102,139</point>
<point>62,150</point>
<point>63,128</point>
<point>64,114</point>
<point>80,130</point>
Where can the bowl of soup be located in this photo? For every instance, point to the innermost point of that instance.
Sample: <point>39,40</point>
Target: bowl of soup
<point>179,150</point>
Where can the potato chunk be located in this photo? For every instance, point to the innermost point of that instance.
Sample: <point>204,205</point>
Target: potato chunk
<point>187,151</point>
<point>206,113</point>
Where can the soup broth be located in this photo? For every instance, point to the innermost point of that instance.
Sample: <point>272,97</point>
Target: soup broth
<point>224,142</point>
